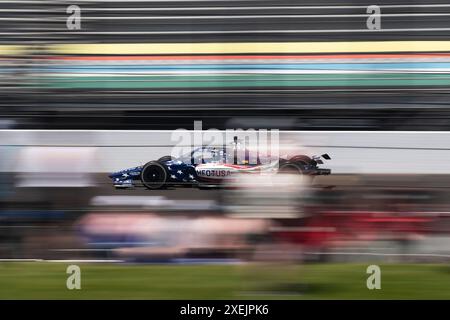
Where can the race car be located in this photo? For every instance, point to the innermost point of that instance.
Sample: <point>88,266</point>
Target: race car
<point>207,166</point>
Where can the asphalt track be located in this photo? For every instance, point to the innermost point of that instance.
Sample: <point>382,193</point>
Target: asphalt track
<point>413,184</point>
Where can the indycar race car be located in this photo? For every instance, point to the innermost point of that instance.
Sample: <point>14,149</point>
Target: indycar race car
<point>206,167</point>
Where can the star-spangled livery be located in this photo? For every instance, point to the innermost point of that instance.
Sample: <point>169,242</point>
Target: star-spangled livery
<point>208,166</point>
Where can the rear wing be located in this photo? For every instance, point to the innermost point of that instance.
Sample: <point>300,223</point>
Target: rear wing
<point>318,159</point>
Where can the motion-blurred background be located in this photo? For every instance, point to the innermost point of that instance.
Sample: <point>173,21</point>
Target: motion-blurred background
<point>76,104</point>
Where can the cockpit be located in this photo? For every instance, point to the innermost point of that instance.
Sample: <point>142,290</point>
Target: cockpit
<point>208,154</point>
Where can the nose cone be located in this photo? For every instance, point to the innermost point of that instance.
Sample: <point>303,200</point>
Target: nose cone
<point>115,175</point>
<point>124,174</point>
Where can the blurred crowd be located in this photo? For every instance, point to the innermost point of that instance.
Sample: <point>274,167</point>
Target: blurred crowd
<point>57,215</point>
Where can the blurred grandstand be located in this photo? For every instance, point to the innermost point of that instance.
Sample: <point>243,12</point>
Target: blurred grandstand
<point>282,64</point>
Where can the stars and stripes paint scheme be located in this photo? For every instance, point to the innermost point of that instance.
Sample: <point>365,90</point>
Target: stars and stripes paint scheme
<point>210,170</point>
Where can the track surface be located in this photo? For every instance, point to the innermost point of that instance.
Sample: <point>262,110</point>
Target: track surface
<point>407,183</point>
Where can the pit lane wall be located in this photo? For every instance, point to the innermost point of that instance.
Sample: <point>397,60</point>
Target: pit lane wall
<point>352,152</point>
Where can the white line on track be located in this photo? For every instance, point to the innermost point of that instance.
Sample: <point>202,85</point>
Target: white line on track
<point>278,16</point>
<point>21,260</point>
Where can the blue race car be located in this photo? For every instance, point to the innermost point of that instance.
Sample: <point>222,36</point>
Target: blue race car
<point>207,166</point>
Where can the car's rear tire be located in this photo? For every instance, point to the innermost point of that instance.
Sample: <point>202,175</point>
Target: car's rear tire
<point>288,167</point>
<point>154,175</point>
<point>302,159</point>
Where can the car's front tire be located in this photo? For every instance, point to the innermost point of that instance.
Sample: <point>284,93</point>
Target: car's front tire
<point>165,158</point>
<point>154,175</point>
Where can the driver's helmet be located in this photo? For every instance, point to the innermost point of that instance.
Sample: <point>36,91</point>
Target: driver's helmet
<point>213,153</point>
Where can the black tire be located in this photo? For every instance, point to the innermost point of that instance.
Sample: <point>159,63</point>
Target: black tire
<point>290,167</point>
<point>154,175</point>
<point>302,159</point>
<point>165,158</point>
